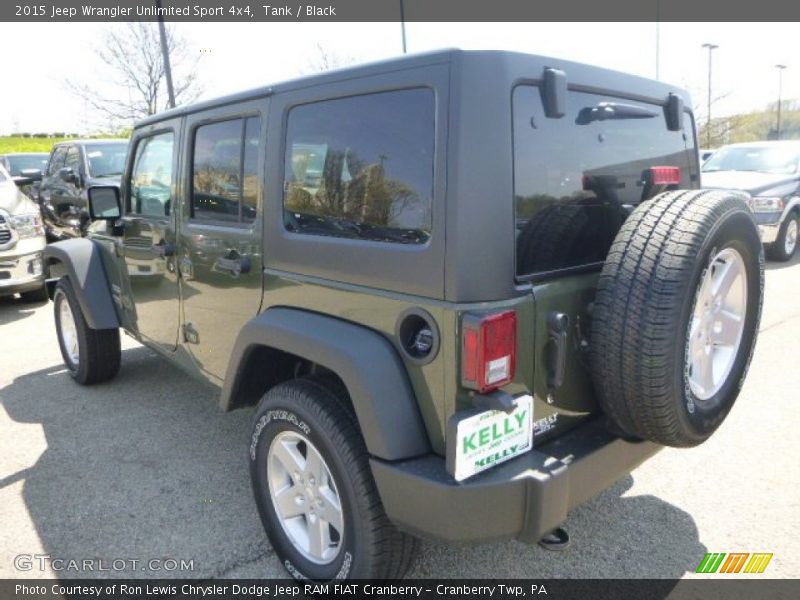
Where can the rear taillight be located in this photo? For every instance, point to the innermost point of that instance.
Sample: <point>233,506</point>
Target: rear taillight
<point>664,175</point>
<point>489,350</point>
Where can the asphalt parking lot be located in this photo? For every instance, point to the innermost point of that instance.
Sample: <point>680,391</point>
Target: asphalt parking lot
<point>146,467</point>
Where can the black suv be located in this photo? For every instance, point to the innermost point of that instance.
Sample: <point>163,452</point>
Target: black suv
<point>466,291</point>
<point>73,167</point>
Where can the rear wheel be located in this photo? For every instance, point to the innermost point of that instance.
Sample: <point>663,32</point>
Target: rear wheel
<point>676,316</point>
<point>90,355</point>
<point>785,245</point>
<point>314,489</point>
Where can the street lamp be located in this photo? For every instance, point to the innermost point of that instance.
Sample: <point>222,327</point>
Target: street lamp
<point>780,86</point>
<point>710,47</point>
<point>403,24</point>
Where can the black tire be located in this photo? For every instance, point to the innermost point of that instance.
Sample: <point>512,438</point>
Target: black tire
<point>370,547</point>
<point>777,250</point>
<point>644,304</point>
<point>37,295</point>
<point>98,349</point>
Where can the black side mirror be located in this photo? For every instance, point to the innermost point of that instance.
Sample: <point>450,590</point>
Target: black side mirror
<point>32,174</point>
<point>104,202</point>
<point>68,175</point>
<point>22,180</point>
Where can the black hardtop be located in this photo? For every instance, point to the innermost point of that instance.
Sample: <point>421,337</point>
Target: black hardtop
<point>520,66</point>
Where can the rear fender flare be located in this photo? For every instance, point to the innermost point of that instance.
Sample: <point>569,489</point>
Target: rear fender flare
<point>367,363</point>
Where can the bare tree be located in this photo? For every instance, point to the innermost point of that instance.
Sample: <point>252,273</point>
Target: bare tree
<point>327,60</point>
<point>134,71</point>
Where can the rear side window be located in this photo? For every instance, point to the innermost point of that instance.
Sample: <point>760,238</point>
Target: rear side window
<point>225,171</point>
<point>362,167</point>
<point>577,178</point>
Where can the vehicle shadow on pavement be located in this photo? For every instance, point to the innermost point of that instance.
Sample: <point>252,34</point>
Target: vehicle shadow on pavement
<point>776,266</point>
<point>144,467</point>
<point>148,467</point>
<point>612,536</point>
<point>14,309</point>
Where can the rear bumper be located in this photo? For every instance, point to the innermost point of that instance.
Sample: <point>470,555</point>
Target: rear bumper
<point>525,498</point>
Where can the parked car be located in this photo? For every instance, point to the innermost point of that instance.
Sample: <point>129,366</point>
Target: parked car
<point>451,328</point>
<point>21,243</point>
<point>26,170</point>
<point>770,173</point>
<point>72,167</point>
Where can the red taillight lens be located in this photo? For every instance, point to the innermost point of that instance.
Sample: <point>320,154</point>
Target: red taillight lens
<point>665,175</point>
<point>489,352</point>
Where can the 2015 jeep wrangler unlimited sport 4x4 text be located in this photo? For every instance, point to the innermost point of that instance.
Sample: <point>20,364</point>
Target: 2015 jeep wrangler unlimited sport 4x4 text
<point>466,291</point>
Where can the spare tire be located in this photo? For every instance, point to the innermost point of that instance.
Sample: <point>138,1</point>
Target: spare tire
<point>676,316</point>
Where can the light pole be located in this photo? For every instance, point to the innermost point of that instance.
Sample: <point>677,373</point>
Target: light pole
<point>403,23</point>
<point>165,54</point>
<point>711,48</point>
<point>780,89</point>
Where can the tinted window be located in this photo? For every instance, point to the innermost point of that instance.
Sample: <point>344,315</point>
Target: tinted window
<point>106,160</point>
<point>577,178</point>
<point>362,167</point>
<point>57,160</point>
<point>225,171</point>
<point>151,178</point>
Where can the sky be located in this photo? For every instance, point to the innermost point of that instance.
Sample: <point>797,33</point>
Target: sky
<point>237,56</point>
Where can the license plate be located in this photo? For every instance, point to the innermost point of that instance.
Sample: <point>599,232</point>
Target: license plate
<point>492,437</point>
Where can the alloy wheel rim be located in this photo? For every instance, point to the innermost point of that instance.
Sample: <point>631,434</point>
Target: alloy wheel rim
<point>790,239</point>
<point>717,324</point>
<point>305,497</point>
<point>69,332</point>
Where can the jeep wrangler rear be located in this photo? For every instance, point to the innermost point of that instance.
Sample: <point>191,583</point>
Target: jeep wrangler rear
<point>466,290</point>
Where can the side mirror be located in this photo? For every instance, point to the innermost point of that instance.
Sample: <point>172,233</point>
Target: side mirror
<point>22,180</point>
<point>68,175</point>
<point>104,202</point>
<point>32,174</point>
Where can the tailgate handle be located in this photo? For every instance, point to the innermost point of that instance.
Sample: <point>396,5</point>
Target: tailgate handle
<point>557,327</point>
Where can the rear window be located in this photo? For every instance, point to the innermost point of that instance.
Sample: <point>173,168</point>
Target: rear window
<point>577,178</point>
<point>362,167</point>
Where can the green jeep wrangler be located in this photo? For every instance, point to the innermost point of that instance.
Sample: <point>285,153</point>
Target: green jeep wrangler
<point>466,291</point>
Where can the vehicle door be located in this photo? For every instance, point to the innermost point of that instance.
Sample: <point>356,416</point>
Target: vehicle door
<point>149,231</point>
<point>220,258</point>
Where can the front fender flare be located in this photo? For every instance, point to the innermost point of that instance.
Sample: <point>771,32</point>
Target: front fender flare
<point>84,266</point>
<point>366,362</point>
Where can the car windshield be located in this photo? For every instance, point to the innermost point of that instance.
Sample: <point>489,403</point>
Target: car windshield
<point>106,160</point>
<point>22,162</point>
<point>764,159</point>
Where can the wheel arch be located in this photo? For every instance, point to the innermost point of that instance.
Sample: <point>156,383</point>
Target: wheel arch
<point>81,262</point>
<point>267,352</point>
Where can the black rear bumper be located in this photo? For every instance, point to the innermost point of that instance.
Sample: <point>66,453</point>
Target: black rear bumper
<point>525,498</point>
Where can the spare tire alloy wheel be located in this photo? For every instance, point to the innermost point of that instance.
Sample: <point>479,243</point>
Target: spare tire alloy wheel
<point>676,316</point>
<point>715,331</point>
